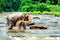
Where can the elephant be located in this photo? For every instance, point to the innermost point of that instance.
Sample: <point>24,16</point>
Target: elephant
<point>13,18</point>
<point>28,20</point>
<point>19,18</point>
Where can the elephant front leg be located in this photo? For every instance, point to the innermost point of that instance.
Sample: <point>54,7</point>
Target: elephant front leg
<point>10,25</point>
<point>24,25</point>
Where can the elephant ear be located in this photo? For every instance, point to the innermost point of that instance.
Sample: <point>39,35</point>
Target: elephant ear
<point>21,18</point>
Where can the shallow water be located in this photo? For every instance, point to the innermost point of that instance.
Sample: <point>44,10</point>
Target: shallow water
<point>52,22</point>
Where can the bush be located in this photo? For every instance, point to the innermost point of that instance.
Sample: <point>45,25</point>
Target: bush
<point>36,7</point>
<point>44,7</point>
<point>55,8</point>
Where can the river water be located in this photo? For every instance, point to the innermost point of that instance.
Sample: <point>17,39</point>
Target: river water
<point>50,21</point>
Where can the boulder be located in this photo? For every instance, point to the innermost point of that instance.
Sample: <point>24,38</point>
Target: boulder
<point>36,18</point>
<point>37,27</point>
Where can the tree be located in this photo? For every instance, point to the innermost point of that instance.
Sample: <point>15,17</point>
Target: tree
<point>10,5</point>
<point>53,2</point>
<point>1,9</point>
<point>1,6</point>
<point>59,2</point>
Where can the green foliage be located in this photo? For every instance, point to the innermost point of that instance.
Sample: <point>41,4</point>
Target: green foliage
<point>1,9</point>
<point>55,8</point>
<point>36,7</point>
<point>30,5</point>
<point>59,2</point>
<point>44,7</point>
<point>10,5</point>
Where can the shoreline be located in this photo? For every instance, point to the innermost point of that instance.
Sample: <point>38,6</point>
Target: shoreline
<point>35,13</point>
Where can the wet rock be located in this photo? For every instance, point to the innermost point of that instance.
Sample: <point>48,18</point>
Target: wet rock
<point>53,22</point>
<point>36,18</point>
<point>2,23</point>
<point>38,27</point>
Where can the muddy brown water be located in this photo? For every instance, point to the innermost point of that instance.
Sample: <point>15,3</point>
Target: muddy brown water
<point>51,21</point>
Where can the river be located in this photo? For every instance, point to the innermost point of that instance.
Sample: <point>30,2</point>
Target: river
<point>50,21</point>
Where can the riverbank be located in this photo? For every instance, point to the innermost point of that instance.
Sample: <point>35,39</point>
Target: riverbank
<point>46,13</point>
<point>36,13</point>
